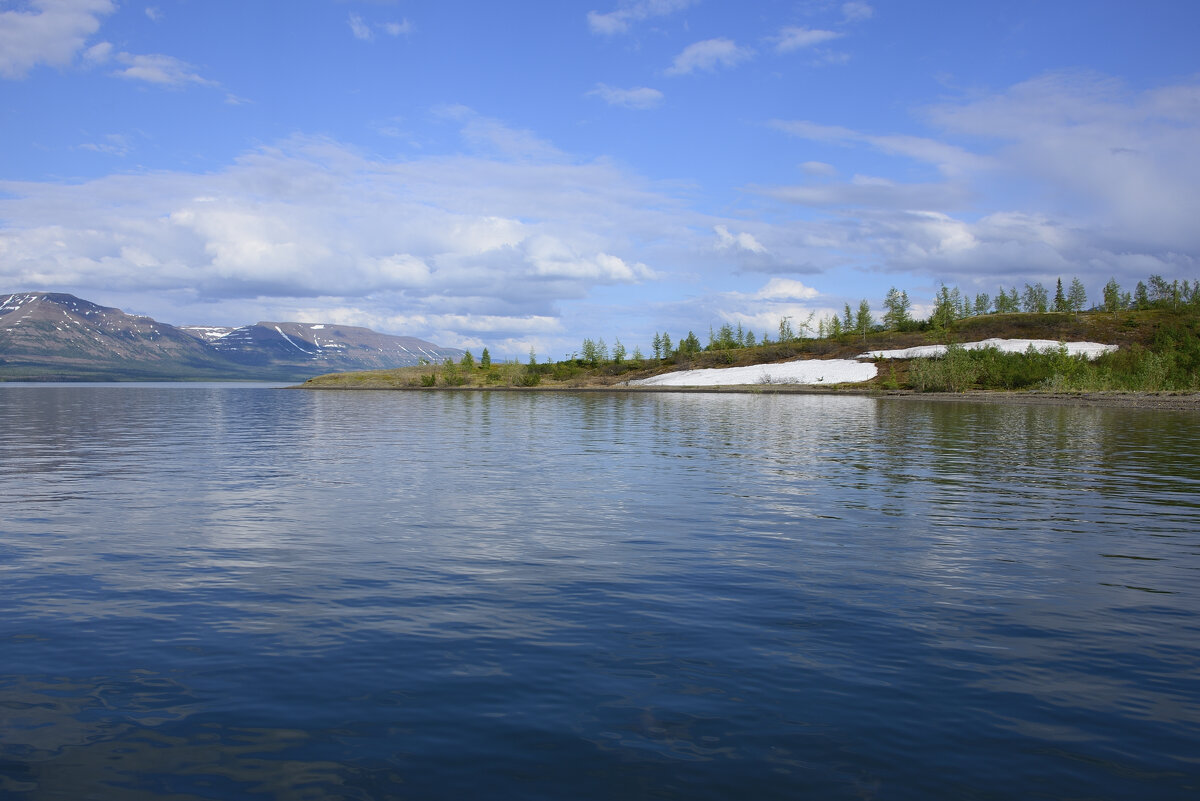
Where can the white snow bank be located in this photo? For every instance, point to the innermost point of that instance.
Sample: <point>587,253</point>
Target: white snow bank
<point>802,371</point>
<point>1089,349</point>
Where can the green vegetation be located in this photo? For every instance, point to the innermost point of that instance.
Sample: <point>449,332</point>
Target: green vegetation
<point>1157,329</point>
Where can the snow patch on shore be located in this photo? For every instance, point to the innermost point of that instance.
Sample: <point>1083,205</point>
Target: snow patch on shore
<point>1089,349</point>
<point>802,371</point>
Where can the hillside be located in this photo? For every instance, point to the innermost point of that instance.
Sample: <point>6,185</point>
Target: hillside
<point>47,336</point>
<point>1158,349</point>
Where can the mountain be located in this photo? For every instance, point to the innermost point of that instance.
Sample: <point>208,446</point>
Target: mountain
<point>318,346</point>
<point>56,336</point>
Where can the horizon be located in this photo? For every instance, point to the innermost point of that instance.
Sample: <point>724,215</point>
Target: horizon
<point>525,177</point>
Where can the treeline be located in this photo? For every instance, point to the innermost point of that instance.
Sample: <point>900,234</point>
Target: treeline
<point>950,304</point>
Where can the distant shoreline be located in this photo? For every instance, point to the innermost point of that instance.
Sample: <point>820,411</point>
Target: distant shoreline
<point>1186,401</point>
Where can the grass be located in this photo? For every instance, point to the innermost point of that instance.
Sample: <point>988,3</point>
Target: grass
<point>1159,351</point>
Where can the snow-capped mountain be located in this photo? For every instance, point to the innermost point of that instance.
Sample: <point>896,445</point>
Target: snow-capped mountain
<point>47,335</point>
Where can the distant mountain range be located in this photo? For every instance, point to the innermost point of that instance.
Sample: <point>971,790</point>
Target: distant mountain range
<point>48,336</point>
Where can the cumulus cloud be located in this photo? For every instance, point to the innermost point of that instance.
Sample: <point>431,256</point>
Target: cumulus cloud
<point>51,32</point>
<point>398,28</point>
<point>785,289</point>
<point>708,56</point>
<point>1096,180</point>
<point>499,243</point>
<point>640,97</point>
<point>797,38</point>
<point>762,311</point>
<point>620,20</point>
<point>741,241</point>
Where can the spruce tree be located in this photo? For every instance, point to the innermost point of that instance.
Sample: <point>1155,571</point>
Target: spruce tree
<point>1060,300</point>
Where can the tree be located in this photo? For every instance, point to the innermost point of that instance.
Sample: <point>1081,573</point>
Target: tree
<point>725,338</point>
<point>657,345</point>
<point>835,327</point>
<point>863,321</point>
<point>689,344</point>
<point>666,345</point>
<point>786,334</point>
<point>1076,297</point>
<point>532,357</point>
<point>749,339</point>
<point>637,354</point>
<point>946,307</point>
<point>1035,300</point>
<point>589,352</point>
<point>1112,296</point>
<point>897,308</point>
<point>1060,300</point>
<point>847,319</point>
<point>1008,302</point>
<point>485,359</point>
<point>468,361</point>
<point>1161,292</point>
<point>601,350</point>
<point>618,351</point>
<point>982,303</point>
<point>1140,298</point>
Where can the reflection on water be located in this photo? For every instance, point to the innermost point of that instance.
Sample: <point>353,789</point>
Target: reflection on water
<point>235,592</point>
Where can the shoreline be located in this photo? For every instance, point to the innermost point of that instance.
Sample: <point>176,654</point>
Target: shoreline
<point>1183,401</point>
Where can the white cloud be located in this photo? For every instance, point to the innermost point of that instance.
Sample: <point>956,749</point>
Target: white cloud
<point>785,289</point>
<point>52,32</point>
<point>950,159</point>
<point>620,20</point>
<point>741,241</point>
<point>359,28</point>
<point>398,28</point>
<point>113,145</point>
<point>818,168</point>
<point>857,11</point>
<point>487,243</point>
<point>640,97</point>
<point>1067,174</point>
<point>154,13</point>
<point>796,38</point>
<point>490,135</point>
<point>708,55</point>
<point>868,191</point>
<point>159,69</point>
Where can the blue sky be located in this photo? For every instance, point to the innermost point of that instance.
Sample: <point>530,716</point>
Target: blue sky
<point>528,174</point>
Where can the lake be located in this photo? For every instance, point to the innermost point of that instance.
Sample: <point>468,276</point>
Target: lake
<point>242,592</point>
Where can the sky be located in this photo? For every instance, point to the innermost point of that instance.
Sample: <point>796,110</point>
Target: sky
<point>524,175</point>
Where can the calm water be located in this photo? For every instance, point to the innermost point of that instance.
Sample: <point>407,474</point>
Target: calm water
<point>247,593</point>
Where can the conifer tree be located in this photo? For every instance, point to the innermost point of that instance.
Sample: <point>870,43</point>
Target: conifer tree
<point>1060,300</point>
<point>863,322</point>
<point>485,359</point>
<point>982,303</point>
<point>1076,296</point>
